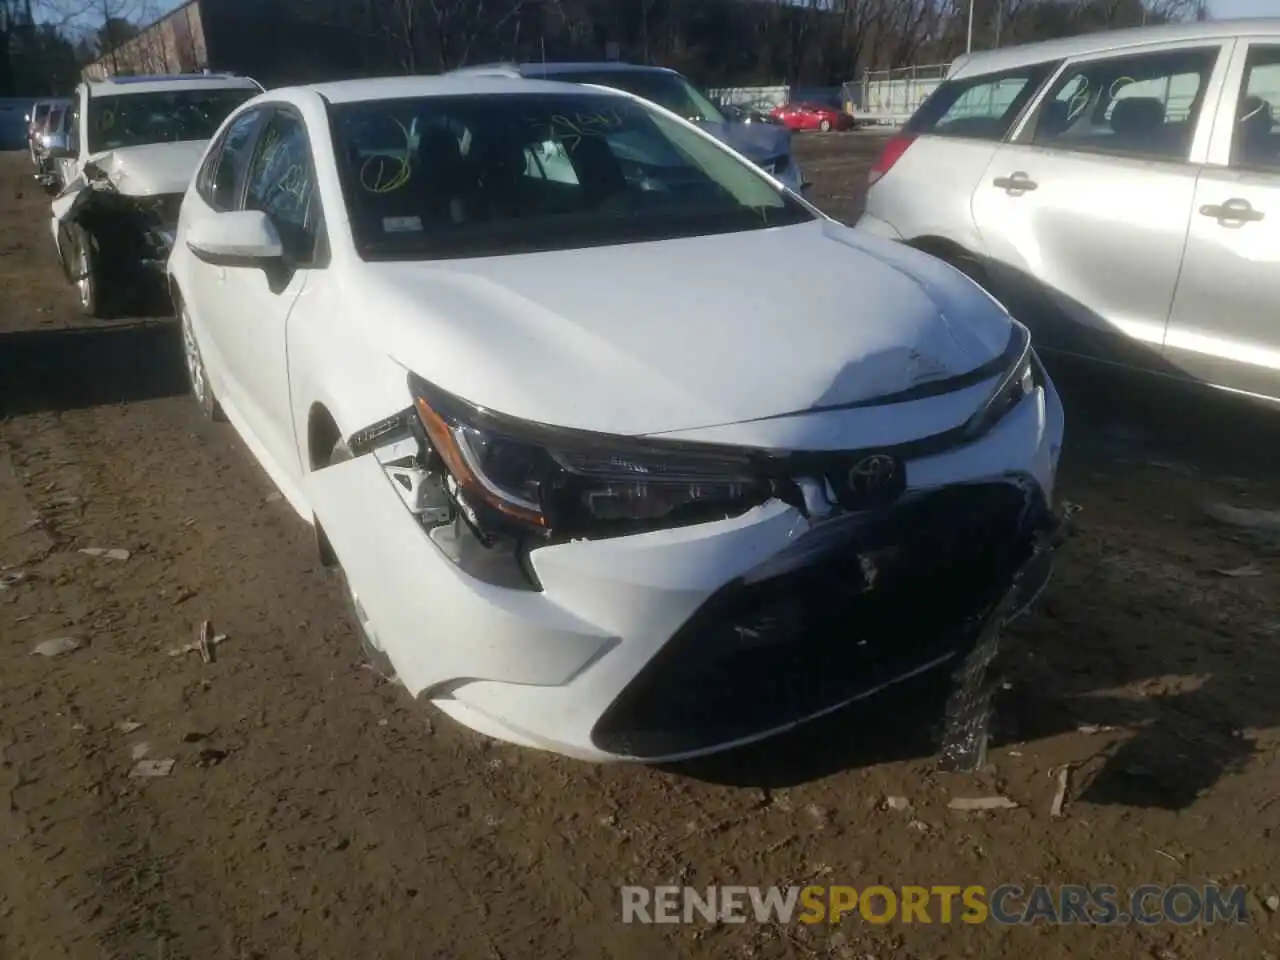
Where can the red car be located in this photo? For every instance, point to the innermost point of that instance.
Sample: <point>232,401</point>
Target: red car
<point>812,116</point>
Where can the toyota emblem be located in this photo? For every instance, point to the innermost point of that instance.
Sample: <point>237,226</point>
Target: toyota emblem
<point>872,474</point>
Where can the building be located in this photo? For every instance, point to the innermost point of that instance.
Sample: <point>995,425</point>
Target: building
<point>173,44</point>
<point>273,41</point>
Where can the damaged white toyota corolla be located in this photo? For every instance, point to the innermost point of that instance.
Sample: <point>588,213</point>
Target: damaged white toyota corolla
<point>591,492</point>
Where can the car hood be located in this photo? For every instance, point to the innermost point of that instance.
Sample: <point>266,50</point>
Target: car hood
<point>648,338</point>
<point>755,141</point>
<point>151,169</point>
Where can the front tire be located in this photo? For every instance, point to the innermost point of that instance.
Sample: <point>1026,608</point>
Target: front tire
<point>86,272</point>
<point>825,126</point>
<point>197,375</point>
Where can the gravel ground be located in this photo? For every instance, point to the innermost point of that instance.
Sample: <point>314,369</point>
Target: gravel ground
<point>314,812</point>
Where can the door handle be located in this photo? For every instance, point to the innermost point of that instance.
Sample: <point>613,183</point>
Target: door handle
<point>1017,182</point>
<point>1235,210</point>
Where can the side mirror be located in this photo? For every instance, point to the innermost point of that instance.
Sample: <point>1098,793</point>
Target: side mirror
<point>238,238</point>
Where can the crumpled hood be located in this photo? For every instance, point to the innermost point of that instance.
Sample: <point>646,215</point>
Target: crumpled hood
<point>656,337</point>
<point>755,141</point>
<point>151,169</point>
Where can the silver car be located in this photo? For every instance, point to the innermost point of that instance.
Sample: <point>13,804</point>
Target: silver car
<point>766,144</point>
<point>1120,192</point>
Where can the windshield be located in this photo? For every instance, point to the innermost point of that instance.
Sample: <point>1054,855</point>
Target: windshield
<point>443,177</point>
<point>669,90</point>
<point>166,116</point>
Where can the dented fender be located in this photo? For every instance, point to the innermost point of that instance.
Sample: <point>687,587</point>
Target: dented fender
<point>419,604</point>
<point>71,199</point>
<point>134,227</point>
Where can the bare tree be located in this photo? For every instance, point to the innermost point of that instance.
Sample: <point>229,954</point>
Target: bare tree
<point>405,31</point>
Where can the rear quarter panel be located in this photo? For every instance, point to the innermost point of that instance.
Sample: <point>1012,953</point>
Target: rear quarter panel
<point>929,191</point>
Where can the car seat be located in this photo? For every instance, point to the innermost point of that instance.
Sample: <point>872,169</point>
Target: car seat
<point>1254,144</point>
<point>447,189</point>
<point>1138,124</point>
<point>599,172</point>
<point>1054,119</point>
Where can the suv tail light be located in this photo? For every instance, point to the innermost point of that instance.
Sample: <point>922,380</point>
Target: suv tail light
<point>891,154</point>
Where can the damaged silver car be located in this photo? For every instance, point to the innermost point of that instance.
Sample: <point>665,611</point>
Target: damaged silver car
<point>133,146</point>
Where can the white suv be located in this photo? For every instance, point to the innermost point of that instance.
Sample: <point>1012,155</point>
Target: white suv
<point>1120,192</point>
<point>133,147</point>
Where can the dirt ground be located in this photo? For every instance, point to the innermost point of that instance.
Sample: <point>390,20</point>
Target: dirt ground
<point>314,812</point>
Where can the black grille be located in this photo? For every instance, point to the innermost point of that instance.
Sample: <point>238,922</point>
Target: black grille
<point>883,597</point>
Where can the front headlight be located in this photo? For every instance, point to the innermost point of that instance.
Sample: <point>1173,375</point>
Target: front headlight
<point>513,477</point>
<point>1021,378</point>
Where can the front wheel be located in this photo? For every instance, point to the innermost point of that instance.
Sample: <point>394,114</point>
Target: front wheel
<point>197,375</point>
<point>825,126</point>
<point>86,272</point>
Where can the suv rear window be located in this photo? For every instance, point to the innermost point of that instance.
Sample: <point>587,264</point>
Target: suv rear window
<point>982,107</point>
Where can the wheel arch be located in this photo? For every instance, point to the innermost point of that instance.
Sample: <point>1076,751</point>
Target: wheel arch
<point>956,254</point>
<point>322,435</point>
<point>175,292</point>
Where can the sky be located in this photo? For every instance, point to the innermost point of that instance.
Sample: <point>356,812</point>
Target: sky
<point>1224,9</point>
<point>1221,9</point>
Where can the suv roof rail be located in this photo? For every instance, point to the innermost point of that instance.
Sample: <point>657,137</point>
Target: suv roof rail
<point>176,77</point>
<point>502,69</point>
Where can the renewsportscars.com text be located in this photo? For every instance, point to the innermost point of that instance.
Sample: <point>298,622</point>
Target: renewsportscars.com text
<point>1007,904</point>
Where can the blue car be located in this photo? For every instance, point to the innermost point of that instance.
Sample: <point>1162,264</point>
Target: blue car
<point>767,145</point>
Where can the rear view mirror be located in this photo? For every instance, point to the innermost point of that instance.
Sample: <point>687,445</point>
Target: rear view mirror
<point>237,238</point>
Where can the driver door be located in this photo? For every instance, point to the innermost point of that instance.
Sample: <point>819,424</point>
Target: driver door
<point>253,304</point>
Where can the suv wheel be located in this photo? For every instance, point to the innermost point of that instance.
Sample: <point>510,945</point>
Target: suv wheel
<point>84,269</point>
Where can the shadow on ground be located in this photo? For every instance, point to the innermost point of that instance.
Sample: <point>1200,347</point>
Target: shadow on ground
<point>71,368</point>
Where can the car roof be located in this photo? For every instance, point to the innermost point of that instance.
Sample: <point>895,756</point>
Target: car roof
<point>563,68</point>
<point>458,83</point>
<point>1009,58</point>
<point>123,86</point>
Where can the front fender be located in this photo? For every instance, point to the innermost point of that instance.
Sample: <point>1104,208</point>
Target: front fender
<point>336,362</point>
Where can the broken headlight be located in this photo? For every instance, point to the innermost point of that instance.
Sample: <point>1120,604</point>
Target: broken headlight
<point>1020,380</point>
<point>514,477</point>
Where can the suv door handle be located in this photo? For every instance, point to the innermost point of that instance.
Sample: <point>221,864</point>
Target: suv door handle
<point>1235,210</point>
<point>1017,182</point>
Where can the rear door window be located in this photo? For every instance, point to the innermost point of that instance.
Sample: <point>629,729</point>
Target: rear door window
<point>1255,143</point>
<point>982,107</point>
<point>1143,105</point>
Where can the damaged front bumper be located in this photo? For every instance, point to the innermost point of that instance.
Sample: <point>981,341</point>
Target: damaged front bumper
<point>677,642</point>
<point>881,600</point>
<point>134,234</point>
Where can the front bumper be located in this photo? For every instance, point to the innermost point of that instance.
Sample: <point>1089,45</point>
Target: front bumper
<point>883,599</point>
<point>680,642</point>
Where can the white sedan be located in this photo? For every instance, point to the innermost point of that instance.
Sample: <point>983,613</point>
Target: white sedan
<point>589,490</point>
